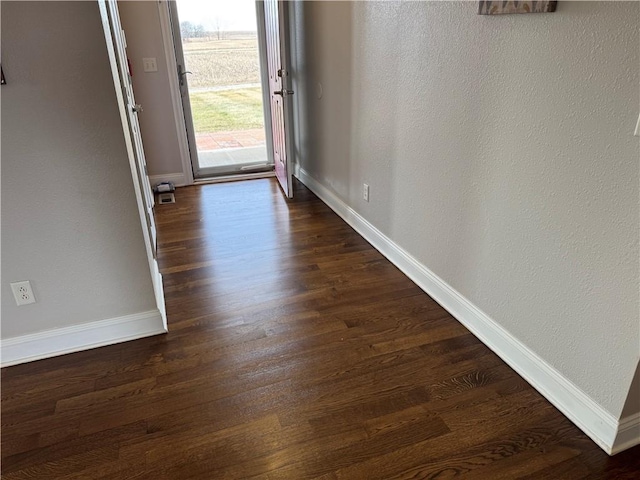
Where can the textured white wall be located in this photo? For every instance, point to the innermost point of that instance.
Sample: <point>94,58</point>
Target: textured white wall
<point>69,217</point>
<point>500,154</point>
<point>141,23</point>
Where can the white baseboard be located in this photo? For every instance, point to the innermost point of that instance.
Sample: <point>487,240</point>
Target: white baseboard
<point>60,341</point>
<point>590,417</point>
<point>628,433</point>
<point>178,179</point>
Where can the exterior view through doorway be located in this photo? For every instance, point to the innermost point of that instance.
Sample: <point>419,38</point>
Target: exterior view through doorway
<point>219,69</point>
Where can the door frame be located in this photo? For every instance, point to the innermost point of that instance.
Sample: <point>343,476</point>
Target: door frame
<point>174,87</point>
<point>264,79</point>
<point>172,68</point>
<point>141,202</point>
<point>180,118</point>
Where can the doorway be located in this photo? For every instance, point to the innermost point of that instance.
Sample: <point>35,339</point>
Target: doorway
<point>220,70</point>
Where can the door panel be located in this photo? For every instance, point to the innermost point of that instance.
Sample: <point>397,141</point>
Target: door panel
<point>119,43</point>
<point>277,64</point>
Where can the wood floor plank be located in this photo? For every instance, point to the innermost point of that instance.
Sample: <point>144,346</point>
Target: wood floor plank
<point>295,350</point>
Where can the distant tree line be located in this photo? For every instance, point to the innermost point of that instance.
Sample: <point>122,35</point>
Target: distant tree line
<point>192,30</point>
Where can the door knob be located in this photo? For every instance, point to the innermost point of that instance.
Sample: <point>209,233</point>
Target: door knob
<point>283,93</point>
<point>181,74</point>
<point>137,108</point>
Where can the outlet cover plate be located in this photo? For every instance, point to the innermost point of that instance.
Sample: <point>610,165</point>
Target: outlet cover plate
<point>150,64</point>
<point>23,293</point>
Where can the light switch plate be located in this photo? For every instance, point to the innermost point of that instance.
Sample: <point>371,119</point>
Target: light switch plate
<point>150,64</point>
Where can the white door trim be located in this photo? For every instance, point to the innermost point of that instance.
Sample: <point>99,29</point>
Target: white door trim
<point>176,99</point>
<point>156,277</point>
<point>287,104</point>
<point>264,79</point>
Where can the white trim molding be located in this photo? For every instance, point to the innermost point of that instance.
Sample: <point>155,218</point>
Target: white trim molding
<point>264,79</point>
<point>158,290</point>
<point>603,428</point>
<point>178,179</point>
<point>176,98</point>
<point>110,19</point>
<point>628,433</point>
<point>234,178</point>
<point>60,341</point>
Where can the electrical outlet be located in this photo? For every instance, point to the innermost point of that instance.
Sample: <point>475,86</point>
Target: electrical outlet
<point>23,293</point>
<point>149,64</point>
<point>365,192</point>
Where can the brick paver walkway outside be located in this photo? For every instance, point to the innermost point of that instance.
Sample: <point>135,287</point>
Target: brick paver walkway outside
<point>233,139</point>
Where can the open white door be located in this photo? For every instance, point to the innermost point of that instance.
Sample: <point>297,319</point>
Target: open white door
<point>276,29</point>
<point>116,48</point>
<point>119,45</point>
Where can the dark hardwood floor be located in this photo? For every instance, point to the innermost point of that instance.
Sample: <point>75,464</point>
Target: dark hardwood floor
<point>295,351</point>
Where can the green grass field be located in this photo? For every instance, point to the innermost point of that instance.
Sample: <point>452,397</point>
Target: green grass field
<point>232,60</point>
<point>239,109</point>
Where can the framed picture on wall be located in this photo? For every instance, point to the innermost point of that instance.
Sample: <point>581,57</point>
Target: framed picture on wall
<point>529,6</point>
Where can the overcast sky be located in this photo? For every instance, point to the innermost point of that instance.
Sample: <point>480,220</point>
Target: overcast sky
<point>233,14</point>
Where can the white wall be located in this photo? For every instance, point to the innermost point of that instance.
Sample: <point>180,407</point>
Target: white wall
<point>500,154</point>
<point>69,217</point>
<point>141,23</point>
